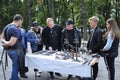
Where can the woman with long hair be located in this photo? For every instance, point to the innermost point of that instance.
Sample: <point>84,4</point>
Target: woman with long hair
<point>112,37</point>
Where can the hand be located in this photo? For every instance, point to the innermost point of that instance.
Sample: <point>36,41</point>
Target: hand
<point>50,48</point>
<point>40,39</point>
<point>4,42</point>
<point>102,49</point>
<point>94,61</point>
<point>26,50</point>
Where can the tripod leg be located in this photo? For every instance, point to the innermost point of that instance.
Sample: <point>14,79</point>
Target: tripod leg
<point>6,60</point>
<point>35,75</point>
<point>2,54</point>
<point>3,71</point>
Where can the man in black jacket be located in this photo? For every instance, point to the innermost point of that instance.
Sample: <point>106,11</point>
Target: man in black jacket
<point>70,39</point>
<point>95,44</point>
<point>51,37</point>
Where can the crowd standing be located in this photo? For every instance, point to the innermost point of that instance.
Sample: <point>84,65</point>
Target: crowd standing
<point>15,40</point>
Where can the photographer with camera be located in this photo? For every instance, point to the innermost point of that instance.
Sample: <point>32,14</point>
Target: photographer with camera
<point>11,40</point>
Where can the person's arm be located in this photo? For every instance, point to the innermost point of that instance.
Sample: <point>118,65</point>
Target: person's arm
<point>109,42</point>
<point>95,60</point>
<point>97,47</point>
<point>2,36</point>
<point>11,42</point>
<point>79,39</point>
<point>45,37</point>
<point>24,38</point>
<point>13,39</point>
<point>62,40</point>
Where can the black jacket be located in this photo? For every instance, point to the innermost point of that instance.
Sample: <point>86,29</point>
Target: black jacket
<point>69,39</point>
<point>96,42</point>
<point>52,37</point>
<point>113,51</point>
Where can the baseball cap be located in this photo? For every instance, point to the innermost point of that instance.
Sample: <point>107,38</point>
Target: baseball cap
<point>68,22</point>
<point>35,24</point>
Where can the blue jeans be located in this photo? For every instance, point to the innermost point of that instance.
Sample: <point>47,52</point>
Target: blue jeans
<point>15,64</point>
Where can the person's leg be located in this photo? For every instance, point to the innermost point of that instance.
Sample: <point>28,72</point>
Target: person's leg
<point>23,69</point>
<point>51,75</point>
<point>95,71</point>
<point>69,76</point>
<point>15,65</point>
<point>111,67</point>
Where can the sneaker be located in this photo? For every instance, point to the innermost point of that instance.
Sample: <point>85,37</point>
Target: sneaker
<point>58,74</point>
<point>23,76</point>
<point>38,74</point>
<point>35,70</point>
<point>78,77</point>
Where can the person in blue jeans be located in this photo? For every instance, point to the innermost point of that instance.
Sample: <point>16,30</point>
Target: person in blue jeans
<point>11,41</point>
<point>14,56</point>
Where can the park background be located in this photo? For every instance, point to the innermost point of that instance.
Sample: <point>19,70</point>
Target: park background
<point>60,10</point>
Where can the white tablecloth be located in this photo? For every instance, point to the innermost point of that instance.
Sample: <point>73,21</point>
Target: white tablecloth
<point>49,63</point>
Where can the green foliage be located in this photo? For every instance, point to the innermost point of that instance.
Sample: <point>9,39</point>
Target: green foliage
<point>60,11</point>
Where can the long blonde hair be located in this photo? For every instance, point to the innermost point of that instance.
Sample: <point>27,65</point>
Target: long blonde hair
<point>114,30</point>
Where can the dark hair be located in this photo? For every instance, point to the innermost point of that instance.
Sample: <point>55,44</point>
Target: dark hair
<point>17,17</point>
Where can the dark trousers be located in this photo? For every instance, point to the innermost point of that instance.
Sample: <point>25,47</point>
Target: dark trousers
<point>111,67</point>
<point>22,67</point>
<point>40,47</point>
<point>51,73</point>
<point>95,71</point>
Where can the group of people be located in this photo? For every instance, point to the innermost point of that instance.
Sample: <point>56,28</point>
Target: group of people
<point>54,37</point>
<point>104,45</point>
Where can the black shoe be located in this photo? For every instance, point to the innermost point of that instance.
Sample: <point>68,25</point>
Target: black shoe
<point>23,76</point>
<point>58,74</point>
<point>69,76</point>
<point>38,74</point>
<point>35,70</point>
<point>78,77</point>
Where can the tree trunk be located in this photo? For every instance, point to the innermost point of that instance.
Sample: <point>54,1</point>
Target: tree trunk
<point>52,9</point>
<point>84,23</point>
<point>29,13</point>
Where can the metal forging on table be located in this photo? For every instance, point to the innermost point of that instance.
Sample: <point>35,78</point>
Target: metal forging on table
<point>82,56</point>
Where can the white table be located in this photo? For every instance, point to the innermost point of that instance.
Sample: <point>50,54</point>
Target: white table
<point>49,63</point>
